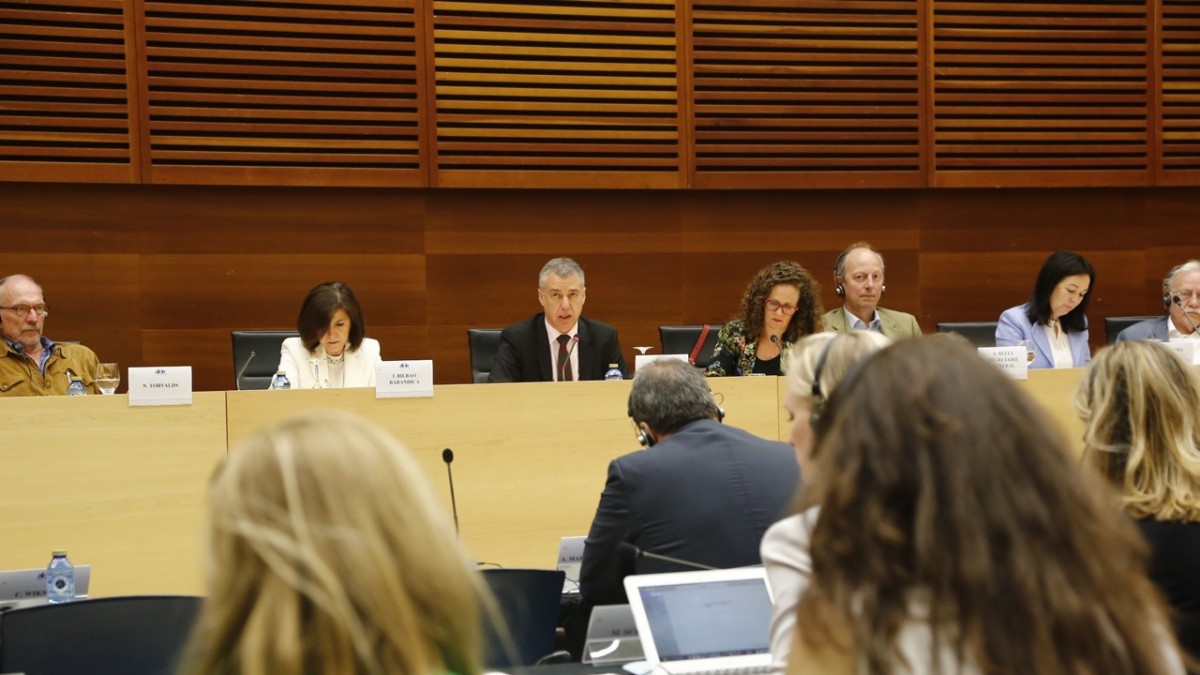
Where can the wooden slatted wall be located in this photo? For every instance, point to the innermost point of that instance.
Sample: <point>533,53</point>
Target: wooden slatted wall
<point>283,92</point>
<point>571,92</point>
<point>65,100</point>
<point>818,93</point>
<point>1041,93</point>
<point>1179,75</point>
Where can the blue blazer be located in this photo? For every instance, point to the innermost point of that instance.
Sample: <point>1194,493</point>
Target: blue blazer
<point>1014,326</point>
<point>1150,329</point>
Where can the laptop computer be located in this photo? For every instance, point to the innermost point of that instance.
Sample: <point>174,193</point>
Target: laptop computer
<point>570,559</point>
<point>710,620</point>
<point>28,587</point>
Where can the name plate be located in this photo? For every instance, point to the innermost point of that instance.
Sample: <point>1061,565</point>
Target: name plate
<point>404,379</point>
<point>1014,361</point>
<point>160,386</point>
<point>640,360</point>
<point>1184,348</point>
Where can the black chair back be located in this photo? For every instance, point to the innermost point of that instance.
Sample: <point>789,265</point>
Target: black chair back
<point>682,340</point>
<point>1113,325</point>
<point>980,333</point>
<point>483,343</point>
<point>528,602</point>
<point>265,344</point>
<point>134,635</point>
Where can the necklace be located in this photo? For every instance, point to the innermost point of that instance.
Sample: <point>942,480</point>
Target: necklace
<point>335,360</point>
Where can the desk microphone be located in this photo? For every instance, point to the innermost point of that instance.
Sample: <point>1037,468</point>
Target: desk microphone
<point>448,458</point>
<point>245,364</point>
<point>1179,301</point>
<point>565,363</point>
<point>634,552</point>
<point>775,341</point>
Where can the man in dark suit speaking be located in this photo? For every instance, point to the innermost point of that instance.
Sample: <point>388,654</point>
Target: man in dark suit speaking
<point>704,491</point>
<point>558,344</point>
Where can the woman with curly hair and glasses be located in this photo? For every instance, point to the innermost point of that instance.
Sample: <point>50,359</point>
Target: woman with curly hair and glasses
<point>1141,404</point>
<point>781,305</point>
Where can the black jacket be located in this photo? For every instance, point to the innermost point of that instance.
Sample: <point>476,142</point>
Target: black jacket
<point>524,354</point>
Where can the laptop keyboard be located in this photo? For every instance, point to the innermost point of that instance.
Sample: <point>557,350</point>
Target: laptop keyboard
<point>745,670</point>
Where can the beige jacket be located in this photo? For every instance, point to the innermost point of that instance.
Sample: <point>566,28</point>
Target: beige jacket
<point>19,375</point>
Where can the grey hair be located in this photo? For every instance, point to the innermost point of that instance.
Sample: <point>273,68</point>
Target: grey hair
<point>669,393</point>
<point>1189,266</point>
<point>561,267</point>
<point>842,351</point>
<point>839,267</point>
<point>4,281</point>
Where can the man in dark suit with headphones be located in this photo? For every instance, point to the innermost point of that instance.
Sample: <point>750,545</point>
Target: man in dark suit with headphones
<point>558,344</point>
<point>702,492</point>
<point>1181,298</point>
<point>858,280</point>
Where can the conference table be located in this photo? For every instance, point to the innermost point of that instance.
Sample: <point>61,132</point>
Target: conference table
<point>123,488</point>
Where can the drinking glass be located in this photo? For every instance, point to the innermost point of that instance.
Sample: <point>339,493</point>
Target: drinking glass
<point>108,376</point>
<point>643,350</point>
<point>1030,352</point>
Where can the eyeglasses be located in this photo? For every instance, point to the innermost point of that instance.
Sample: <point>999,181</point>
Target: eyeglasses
<point>24,310</point>
<point>775,306</point>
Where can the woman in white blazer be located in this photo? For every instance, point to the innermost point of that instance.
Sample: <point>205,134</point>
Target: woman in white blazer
<point>331,351</point>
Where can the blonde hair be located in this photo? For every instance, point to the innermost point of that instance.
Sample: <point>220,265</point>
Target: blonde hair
<point>1141,404</point>
<point>844,350</point>
<point>327,553</point>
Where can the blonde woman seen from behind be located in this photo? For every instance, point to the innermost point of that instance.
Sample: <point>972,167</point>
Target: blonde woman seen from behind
<point>824,358</point>
<point>328,554</point>
<point>958,535</point>
<point>1141,404</point>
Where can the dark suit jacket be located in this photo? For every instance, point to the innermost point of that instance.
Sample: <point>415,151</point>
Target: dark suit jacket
<point>706,494</point>
<point>524,354</point>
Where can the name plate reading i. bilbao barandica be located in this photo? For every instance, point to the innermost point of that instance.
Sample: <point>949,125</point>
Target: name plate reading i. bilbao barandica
<point>169,385</point>
<point>404,379</point>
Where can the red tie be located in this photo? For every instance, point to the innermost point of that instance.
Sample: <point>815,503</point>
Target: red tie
<point>564,358</point>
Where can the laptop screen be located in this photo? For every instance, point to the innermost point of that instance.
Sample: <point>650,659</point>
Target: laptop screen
<point>708,619</point>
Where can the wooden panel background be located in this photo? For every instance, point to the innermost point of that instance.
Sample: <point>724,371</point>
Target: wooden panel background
<point>613,94</point>
<point>159,275</point>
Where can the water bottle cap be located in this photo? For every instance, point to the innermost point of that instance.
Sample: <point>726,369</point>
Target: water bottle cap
<point>60,553</point>
<point>612,365</point>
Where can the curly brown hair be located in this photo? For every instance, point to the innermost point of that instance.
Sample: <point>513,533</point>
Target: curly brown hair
<point>945,485</point>
<point>806,320</point>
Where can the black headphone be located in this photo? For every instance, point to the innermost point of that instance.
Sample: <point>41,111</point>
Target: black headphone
<point>837,267</point>
<point>818,398</point>
<point>643,436</point>
<point>822,417</point>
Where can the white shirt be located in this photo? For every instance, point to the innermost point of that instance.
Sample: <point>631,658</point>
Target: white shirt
<point>1060,346</point>
<point>856,323</point>
<point>572,349</point>
<point>1173,334</point>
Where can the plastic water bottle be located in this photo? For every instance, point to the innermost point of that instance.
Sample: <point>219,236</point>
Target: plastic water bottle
<point>613,372</point>
<point>280,381</point>
<point>60,579</point>
<point>76,387</point>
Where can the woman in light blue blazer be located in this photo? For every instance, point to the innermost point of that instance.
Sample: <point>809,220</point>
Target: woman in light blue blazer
<point>1053,322</point>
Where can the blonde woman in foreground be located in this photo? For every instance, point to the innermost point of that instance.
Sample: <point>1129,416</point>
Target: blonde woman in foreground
<point>815,367</point>
<point>327,554</point>
<point>958,535</point>
<point>1141,404</point>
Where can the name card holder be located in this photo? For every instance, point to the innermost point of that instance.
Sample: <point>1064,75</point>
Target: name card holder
<point>640,360</point>
<point>1014,361</point>
<point>404,379</point>
<point>170,385</point>
<point>1184,348</point>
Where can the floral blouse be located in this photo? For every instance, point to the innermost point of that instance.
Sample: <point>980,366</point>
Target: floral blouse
<point>733,355</point>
